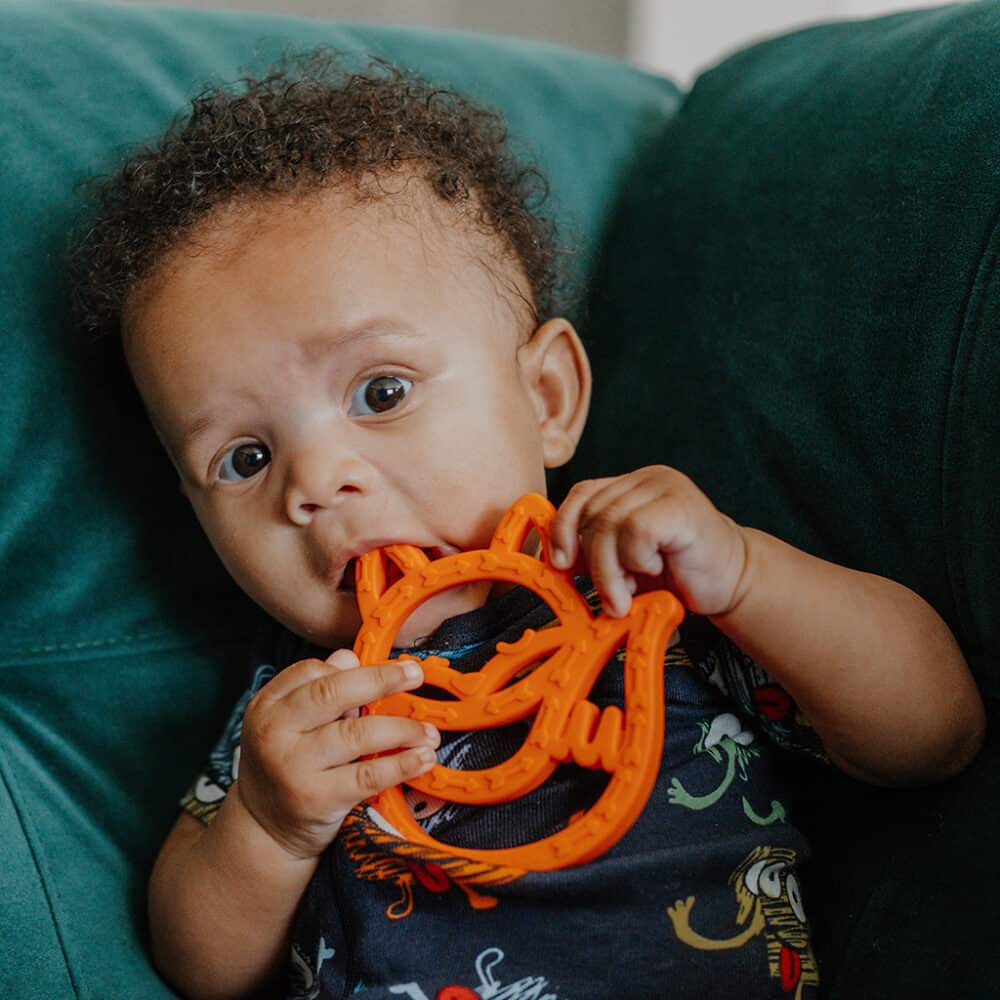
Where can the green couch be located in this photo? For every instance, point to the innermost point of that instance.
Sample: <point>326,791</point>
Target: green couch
<point>790,291</point>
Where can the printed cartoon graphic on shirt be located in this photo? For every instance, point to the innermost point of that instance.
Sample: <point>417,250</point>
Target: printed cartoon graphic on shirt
<point>433,812</point>
<point>769,903</point>
<point>726,741</point>
<point>726,667</point>
<point>304,973</point>
<point>380,854</point>
<point>204,798</point>
<point>489,986</point>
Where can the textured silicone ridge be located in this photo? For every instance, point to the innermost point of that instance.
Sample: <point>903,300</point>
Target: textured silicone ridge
<point>564,660</point>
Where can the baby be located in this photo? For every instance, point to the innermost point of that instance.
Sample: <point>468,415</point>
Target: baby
<point>335,300</point>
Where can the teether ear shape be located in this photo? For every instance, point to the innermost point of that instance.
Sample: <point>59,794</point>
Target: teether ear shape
<point>371,576</point>
<point>565,660</point>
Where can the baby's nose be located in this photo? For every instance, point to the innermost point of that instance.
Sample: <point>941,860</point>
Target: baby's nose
<point>319,479</point>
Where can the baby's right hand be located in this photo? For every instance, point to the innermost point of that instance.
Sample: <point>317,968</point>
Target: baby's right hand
<point>300,772</point>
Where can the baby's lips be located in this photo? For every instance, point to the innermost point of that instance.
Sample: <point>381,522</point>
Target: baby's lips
<point>348,579</point>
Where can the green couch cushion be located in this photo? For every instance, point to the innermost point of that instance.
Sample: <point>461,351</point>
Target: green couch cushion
<point>93,751</point>
<point>814,340</point>
<point>821,314</point>
<point>123,642</point>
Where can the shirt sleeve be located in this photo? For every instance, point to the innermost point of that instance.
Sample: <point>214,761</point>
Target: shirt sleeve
<point>203,799</point>
<point>755,694</point>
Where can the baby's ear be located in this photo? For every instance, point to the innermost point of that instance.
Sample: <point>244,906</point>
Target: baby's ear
<point>554,362</point>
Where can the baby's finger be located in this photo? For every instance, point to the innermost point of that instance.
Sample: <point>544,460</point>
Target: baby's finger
<point>304,672</point>
<point>348,739</point>
<point>292,677</point>
<point>599,539</point>
<point>603,520</point>
<point>599,500</point>
<point>563,536</point>
<point>643,534</point>
<point>345,659</point>
<point>369,777</point>
<point>336,692</point>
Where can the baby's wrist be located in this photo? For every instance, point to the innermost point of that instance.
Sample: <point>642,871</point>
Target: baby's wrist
<point>741,570</point>
<point>245,880</point>
<point>245,831</point>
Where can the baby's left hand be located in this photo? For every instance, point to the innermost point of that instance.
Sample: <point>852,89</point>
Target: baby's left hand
<point>649,529</point>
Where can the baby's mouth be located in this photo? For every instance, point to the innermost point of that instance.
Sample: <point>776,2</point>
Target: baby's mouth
<point>392,571</point>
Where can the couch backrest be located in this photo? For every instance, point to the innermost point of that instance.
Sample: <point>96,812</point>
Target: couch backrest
<point>799,307</point>
<point>815,296</point>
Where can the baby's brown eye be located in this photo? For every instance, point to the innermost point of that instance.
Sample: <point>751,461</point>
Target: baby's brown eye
<point>377,395</point>
<point>244,461</point>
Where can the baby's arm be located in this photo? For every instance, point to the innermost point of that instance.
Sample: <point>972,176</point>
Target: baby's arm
<point>222,897</point>
<point>871,665</point>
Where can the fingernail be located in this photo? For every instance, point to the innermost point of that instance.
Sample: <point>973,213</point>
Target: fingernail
<point>412,671</point>
<point>342,659</point>
<point>426,757</point>
<point>614,607</point>
<point>432,734</point>
<point>559,558</point>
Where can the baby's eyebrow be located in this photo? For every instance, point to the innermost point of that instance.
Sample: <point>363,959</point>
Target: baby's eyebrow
<point>375,328</point>
<point>201,424</point>
<point>312,349</point>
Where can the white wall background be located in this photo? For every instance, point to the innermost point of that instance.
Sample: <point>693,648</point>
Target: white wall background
<point>677,37</point>
<point>596,25</point>
<point>681,37</point>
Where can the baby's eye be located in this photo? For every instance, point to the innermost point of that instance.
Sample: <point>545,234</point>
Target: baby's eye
<point>379,394</point>
<point>244,461</point>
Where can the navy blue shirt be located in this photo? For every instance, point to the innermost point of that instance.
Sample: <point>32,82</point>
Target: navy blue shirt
<point>701,897</point>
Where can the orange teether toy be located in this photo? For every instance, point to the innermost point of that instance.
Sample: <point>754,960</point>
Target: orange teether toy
<point>559,665</point>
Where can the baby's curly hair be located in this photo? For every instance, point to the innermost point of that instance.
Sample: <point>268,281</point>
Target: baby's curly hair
<point>307,123</point>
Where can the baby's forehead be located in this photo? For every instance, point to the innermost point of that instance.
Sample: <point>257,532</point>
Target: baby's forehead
<point>394,206</point>
<point>332,259</point>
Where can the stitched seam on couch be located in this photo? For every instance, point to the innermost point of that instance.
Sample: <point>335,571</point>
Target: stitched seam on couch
<point>956,419</point>
<point>143,642</point>
<point>47,888</point>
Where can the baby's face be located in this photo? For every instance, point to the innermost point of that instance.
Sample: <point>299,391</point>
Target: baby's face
<point>331,376</point>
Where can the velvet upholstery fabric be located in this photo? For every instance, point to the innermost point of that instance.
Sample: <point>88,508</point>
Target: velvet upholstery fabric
<point>791,295</point>
<point>815,341</point>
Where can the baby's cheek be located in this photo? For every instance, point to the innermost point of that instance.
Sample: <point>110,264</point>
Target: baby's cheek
<point>286,592</point>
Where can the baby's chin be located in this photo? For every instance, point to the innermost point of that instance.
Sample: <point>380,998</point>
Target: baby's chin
<point>417,630</point>
<point>420,627</point>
